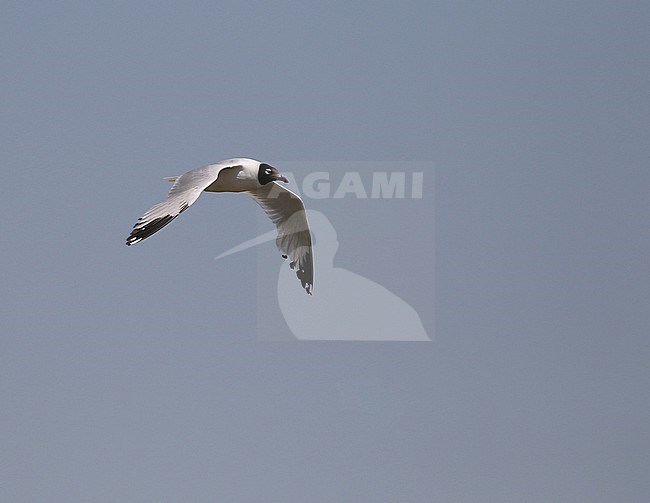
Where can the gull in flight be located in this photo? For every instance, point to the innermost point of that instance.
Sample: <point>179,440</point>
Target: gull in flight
<point>254,178</point>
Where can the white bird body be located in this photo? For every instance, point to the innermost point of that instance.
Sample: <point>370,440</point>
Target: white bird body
<point>256,179</point>
<point>233,180</point>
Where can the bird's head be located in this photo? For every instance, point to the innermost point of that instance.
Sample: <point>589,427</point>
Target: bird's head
<point>267,174</point>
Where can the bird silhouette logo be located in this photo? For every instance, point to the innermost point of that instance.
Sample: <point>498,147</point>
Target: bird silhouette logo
<point>345,305</point>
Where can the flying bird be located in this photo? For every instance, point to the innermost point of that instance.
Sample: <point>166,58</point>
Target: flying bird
<point>254,178</point>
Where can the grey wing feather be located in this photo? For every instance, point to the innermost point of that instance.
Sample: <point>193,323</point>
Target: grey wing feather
<point>287,211</point>
<point>186,189</point>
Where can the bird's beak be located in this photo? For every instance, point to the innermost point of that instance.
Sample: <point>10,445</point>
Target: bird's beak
<point>282,179</point>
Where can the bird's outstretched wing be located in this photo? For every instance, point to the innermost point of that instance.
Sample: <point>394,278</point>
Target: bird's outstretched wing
<point>287,212</point>
<point>186,189</point>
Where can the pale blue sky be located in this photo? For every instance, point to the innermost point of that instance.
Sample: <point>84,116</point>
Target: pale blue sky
<point>139,374</point>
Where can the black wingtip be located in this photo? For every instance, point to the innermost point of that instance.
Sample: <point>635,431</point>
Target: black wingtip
<point>142,232</point>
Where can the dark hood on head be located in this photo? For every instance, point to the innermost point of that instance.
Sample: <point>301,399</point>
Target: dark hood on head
<point>267,174</point>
